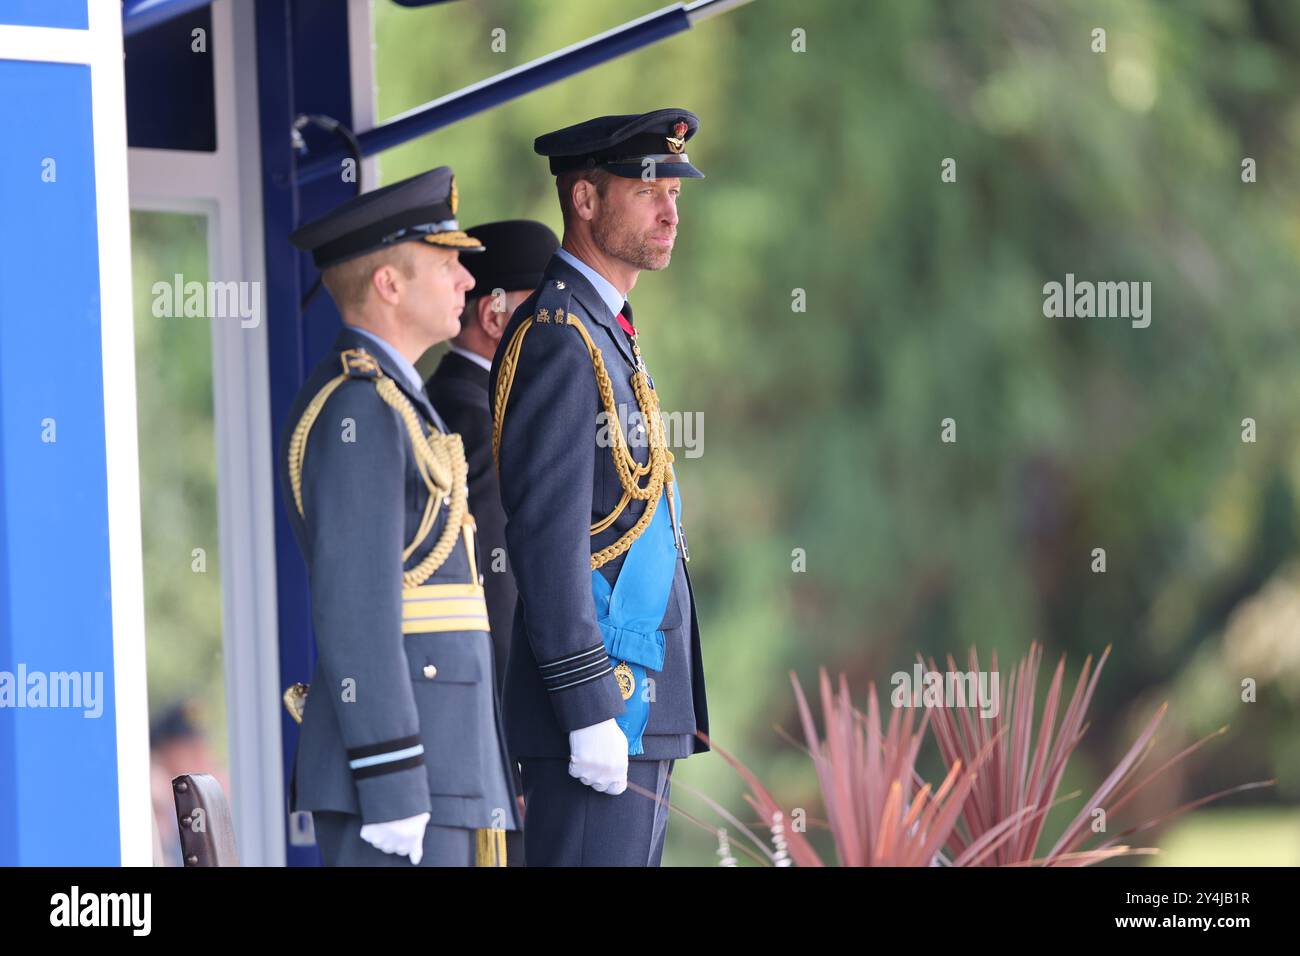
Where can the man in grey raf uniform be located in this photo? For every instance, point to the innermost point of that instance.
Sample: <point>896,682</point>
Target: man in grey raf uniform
<point>605,681</point>
<point>401,755</point>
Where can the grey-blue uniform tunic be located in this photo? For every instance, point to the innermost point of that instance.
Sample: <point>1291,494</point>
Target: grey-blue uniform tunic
<point>395,724</point>
<point>557,480</point>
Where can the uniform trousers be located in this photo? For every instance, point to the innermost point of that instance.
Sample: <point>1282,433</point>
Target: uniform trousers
<point>567,823</point>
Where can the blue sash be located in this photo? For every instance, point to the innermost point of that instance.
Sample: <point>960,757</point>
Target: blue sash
<point>630,614</point>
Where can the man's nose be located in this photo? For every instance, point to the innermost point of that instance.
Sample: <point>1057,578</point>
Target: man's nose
<point>466,277</point>
<point>668,211</point>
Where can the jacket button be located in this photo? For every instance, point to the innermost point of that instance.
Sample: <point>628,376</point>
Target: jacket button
<point>430,671</point>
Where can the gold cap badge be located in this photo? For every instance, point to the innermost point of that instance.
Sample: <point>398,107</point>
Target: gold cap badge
<point>677,142</point>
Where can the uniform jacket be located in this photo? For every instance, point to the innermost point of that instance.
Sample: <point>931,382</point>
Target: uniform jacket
<point>556,481</point>
<point>423,732</point>
<point>458,390</point>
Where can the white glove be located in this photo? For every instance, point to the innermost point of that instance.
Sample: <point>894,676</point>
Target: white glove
<point>598,757</point>
<point>404,837</point>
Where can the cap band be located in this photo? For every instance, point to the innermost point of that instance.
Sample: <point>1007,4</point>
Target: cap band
<point>424,228</point>
<point>653,157</point>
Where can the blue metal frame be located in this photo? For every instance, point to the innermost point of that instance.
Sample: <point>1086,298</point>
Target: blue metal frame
<point>508,85</point>
<point>290,85</point>
<point>139,15</point>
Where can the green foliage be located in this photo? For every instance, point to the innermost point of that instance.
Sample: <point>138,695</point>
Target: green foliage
<point>178,493</point>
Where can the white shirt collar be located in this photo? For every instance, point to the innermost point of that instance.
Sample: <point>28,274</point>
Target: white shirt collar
<point>474,357</point>
<point>612,298</point>
<point>398,359</point>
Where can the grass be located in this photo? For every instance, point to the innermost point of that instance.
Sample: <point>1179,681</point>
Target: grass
<point>1232,836</point>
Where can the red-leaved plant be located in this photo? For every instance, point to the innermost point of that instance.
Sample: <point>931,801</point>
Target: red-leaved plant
<point>992,804</point>
<point>1022,773</point>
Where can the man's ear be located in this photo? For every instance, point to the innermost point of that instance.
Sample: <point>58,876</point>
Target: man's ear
<point>384,280</point>
<point>491,320</point>
<point>584,198</point>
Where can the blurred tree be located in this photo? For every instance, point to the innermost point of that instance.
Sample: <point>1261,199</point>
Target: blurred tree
<point>924,302</point>
<point>178,493</point>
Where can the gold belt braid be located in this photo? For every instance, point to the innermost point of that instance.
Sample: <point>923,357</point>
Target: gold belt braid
<point>454,606</point>
<point>435,608</point>
<point>657,471</point>
<point>491,848</point>
<point>439,459</point>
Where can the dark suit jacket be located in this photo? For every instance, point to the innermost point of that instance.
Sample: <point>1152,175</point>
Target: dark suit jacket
<point>557,479</point>
<point>458,390</point>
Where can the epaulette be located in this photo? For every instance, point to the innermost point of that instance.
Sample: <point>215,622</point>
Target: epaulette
<point>358,363</point>
<point>552,305</point>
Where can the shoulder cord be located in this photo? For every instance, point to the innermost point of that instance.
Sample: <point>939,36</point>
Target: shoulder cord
<point>657,471</point>
<point>440,460</point>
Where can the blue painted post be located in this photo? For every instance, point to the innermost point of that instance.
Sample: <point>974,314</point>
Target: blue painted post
<point>289,84</point>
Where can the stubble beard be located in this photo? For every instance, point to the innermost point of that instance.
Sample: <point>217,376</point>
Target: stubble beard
<point>615,238</point>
